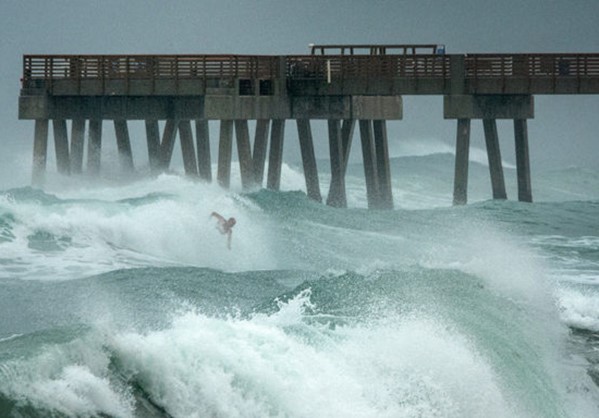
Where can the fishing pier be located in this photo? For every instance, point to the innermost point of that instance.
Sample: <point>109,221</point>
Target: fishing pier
<point>347,85</point>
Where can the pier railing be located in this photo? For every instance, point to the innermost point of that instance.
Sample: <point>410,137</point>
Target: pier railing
<point>483,73</point>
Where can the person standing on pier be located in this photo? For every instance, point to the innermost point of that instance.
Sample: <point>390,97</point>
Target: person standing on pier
<point>225,226</point>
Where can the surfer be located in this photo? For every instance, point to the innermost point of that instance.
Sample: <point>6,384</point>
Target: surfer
<point>225,226</point>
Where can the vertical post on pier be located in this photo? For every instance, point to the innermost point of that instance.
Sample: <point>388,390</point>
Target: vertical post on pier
<point>40,152</point>
<point>168,143</point>
<point>61,145</point>
<point>259,154</point>
<point>347,134</point>
<point>224,153</point>
<point>77,143</point>
<point>275,159</point>
<point>203,149</point>
<point>522,160</point>
<point>153,141</point>
<point>336,195</point>
<point>94,146</point>
<point>244,153</point>
<point>369,163</point>
<point>308,159</point>
<point>382,164</point>
<point>187,149</point>
<point>123,145</point>
<point>462,151</point>
<point>494,156</point>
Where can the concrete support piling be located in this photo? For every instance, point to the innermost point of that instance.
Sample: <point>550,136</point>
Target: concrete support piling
<point>244,154</point>
<point>225,145</point>
<point>522,160</point>
<point>40,152</point>
<point>347,134</point>
<point>382,164</point>
<point>168,143</point>
<point>94,146</point>
<point>259,154</point>
<point>462,151</point>
<point>369,163</point>
<point>124,145</point>
<point>494,155</point>
<point>77,144</point>
<point>203,149</point>
<point>308,159</point>
<point>153,141</point>
<point>275,159</point>
<point>336,195</point>
<point>61,146</point>
<point>188,149</point>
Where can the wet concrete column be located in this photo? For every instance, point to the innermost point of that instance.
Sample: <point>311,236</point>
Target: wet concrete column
<point>124,145</point>
<point>462,151</point>
<point>225,145</point>
<point>347,134</point>
<point>244,153</point>
<point>336,197</point>
<point>61,145</point>
<point>203,149</point>
<point>187,149</point>
<point>494,155</point>
<point>369,162</point>
<point>275,158</point>
<point>382,164</point>
<point>77,144</point>
<point>94,146</point>
<point>40,152</point>
<point>153,141</point>
<point>522,160</point>
<point>259,154</point>
<point>168,143</point>
<point>308,159</point>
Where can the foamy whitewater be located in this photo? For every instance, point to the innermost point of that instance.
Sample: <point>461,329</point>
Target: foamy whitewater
<point>122,300</point>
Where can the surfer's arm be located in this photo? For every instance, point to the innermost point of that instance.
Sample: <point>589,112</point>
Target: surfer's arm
<point>218,216</point>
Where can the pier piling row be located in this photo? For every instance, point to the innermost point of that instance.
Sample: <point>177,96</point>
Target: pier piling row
<point>345,89</point>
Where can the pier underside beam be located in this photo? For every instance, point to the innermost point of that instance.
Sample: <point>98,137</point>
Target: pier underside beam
<point>494,156</point>
<point>369,162</point>
<point>275,159</point>
<point>187,149</point>
<point>77,144</point>
<point>522,160</point>
<point>40,152</point>
<point>124,145</point>
<point>462,151</point>
<point>259,154</point>
<point>153,141</point>
<point>203,149</point>
<point>94,146</point>
<point>381,146</point>
<point>308,159</point>
<point>61,145</point>
<point>336,197</point>
<point>225,146</point>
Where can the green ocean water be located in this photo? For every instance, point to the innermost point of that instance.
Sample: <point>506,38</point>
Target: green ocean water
<point>123,301</point>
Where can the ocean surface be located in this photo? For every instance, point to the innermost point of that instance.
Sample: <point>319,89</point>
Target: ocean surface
<point>122,300</point>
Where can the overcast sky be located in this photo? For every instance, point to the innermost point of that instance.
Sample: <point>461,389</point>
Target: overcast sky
<point>565,130</point>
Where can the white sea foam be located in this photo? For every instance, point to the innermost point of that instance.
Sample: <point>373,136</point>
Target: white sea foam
<point>277,365</point>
